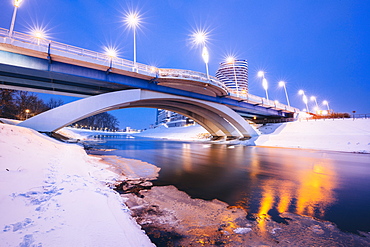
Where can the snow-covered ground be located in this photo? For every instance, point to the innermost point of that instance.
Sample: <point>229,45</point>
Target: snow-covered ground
<point>53,194</point>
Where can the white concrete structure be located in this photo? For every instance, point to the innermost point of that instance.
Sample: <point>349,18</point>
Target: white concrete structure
<point>219,120</point>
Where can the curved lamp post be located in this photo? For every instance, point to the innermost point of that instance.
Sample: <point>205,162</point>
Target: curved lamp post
<point>132,20</point>
<point>264,82</point>
<point>304,98</point>
<point>313,98</point>
<point>231,59</point>
<point>326,103</point>
<point>282,84</point>
<point>200,38</point>
<point>16,4</point>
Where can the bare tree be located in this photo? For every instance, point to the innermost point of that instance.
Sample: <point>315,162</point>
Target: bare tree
<point>7,104</point>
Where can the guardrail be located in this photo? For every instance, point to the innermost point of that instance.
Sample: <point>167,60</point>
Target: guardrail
<point>253,99</point>
<point>56,48</point>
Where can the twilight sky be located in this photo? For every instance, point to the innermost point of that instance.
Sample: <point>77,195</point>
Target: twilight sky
<point>321,47</point>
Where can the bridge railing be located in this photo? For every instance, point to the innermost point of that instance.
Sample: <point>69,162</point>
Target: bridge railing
<point>253,99</point>
<point>191,75</point>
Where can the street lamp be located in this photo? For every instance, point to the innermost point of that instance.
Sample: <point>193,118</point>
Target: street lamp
<point>38,33</point>
<point>282,84</point>
<point>313,98</point>
<point>264,82</point>
<point>132,20</point>
<point>16,4</point>
<point>326,103</point>
<point>304,98</point>
<point>200,38</point>
<point>111,53</point>
<point>27,112</point>
<point>231,59</point>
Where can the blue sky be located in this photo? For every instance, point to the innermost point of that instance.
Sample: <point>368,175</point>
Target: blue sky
<point>321,47</point>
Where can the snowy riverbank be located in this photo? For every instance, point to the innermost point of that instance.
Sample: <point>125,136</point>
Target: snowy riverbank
<point>346,135</point>
<point>53,194</point>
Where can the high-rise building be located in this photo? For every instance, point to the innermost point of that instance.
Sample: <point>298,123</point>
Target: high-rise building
<point>172,119</point>
<point>234,75</point>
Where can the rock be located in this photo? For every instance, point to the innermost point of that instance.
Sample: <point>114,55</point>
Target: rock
<point>147,184</point>
<point>242,230</point>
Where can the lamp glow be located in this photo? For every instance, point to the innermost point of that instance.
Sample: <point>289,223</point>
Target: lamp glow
<point>264,82</point>
<point>38,33</point>
<point>200,37</point>
<point>110,52</point>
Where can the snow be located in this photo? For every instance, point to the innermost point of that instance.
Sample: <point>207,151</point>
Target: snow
<point>346,135</point>
<point>53,194</point>
<point>193,132</point>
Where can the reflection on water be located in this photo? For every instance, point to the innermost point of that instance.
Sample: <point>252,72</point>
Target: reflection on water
<point>263,180</point>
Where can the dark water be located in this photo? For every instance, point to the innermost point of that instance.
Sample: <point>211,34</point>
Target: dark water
<point>331,186</point>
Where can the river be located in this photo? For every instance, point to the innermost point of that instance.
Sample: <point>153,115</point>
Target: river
<point>331,186</point>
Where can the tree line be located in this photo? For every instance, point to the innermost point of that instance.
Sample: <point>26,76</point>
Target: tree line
<point>21,105</point>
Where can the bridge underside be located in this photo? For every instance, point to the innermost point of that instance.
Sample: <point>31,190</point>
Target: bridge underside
<point>219,120</point>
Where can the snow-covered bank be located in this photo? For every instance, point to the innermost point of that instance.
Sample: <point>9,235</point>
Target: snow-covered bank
<point>345,135</point>
<point>53,194</point>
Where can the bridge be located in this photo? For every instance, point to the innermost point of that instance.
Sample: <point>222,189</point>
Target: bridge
<point>108,83</point>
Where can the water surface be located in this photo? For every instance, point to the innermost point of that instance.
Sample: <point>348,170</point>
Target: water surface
<point>331,186</point>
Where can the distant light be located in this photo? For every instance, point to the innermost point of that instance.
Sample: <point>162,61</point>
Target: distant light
<point>312,98</point>
<point>325,102</point>
<point>301,92</point>
<point>281,83</point>
<point>199,37</point>
<point>230,59</point>
<point>324,112</point>
<point>132,19</point>
<point>261,74</point>
<point>17,3</point>
<point>111,52</point>
<point>153,69</point>
<point>38,33</point>
<point>276,102</point>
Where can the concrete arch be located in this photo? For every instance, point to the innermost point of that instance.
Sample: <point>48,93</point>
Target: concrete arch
<point>218,119</point>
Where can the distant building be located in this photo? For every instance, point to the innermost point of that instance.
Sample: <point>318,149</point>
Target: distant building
<point>234,75</point>
<point>172,119</point>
